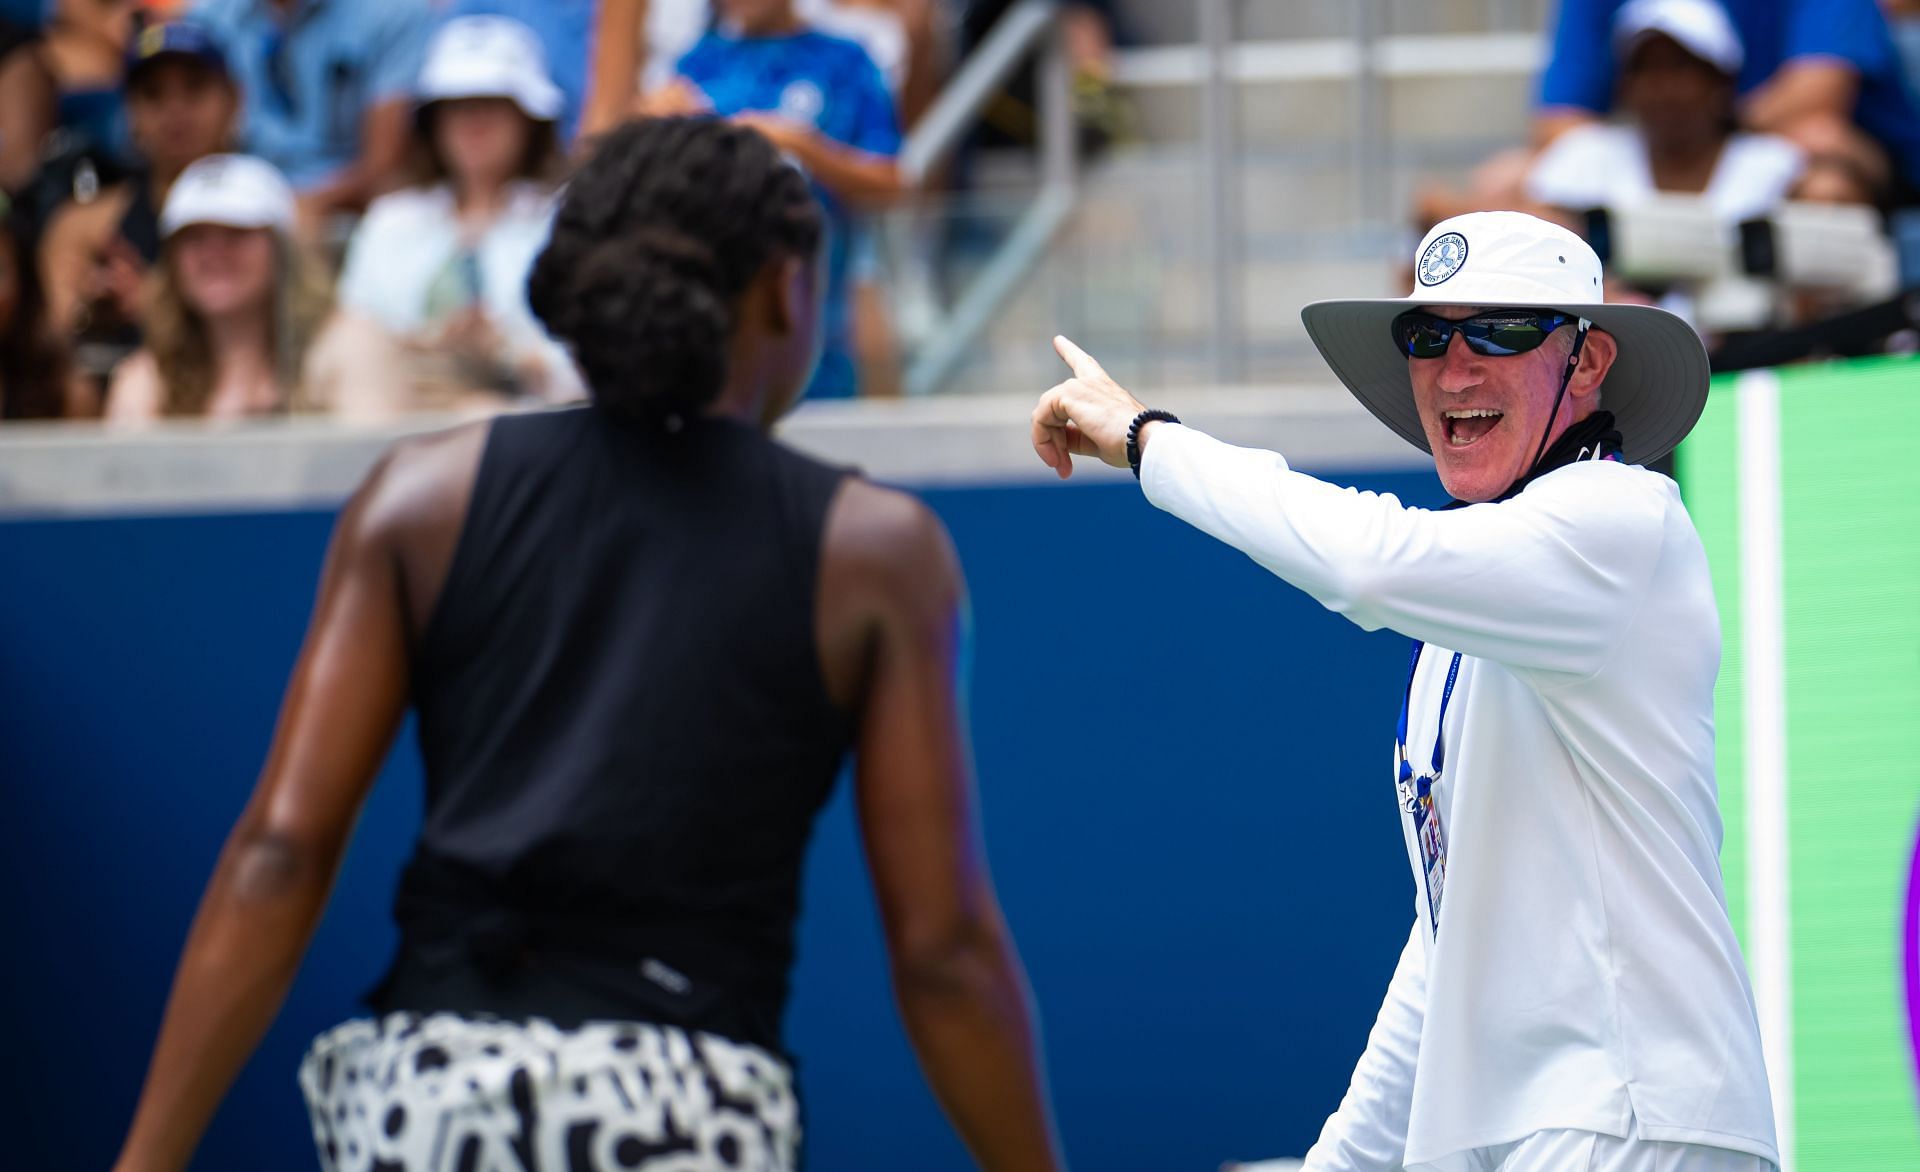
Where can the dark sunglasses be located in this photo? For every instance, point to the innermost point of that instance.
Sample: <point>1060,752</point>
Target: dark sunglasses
<point>1498,333</point>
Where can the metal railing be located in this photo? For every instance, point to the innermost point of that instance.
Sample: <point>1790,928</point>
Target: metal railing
<point>1218,66</point>
<point>1221,143</point>
<point>1027,26</point>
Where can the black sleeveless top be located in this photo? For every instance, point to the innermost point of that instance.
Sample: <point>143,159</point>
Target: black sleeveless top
<point>625,730</point>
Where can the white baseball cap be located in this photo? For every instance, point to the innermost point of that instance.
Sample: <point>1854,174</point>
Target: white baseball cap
<point>489,57</point>
<point>237,191</point>
<point>1701,27</point>
<point>1657,385</point>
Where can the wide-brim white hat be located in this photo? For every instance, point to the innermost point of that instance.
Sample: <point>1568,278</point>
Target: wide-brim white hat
<point>1657,385</point>
<point>236,191</point>
<point>489,57</point>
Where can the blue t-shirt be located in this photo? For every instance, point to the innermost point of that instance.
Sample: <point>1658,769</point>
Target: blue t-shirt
<point>1582,71</point>
<point>565,29</point>
<point>833,86</point>
<point>310,78</point>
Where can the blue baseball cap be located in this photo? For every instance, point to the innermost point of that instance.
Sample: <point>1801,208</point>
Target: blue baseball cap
<point>174,38</point>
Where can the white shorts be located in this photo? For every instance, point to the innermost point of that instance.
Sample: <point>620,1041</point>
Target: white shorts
<point>1587,1151</point>
<point>443,1092</point>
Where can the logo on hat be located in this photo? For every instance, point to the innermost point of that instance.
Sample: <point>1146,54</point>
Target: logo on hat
<point>1442,259</point>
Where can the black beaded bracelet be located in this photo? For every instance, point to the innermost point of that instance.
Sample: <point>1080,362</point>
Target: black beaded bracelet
<point>1133,435</point>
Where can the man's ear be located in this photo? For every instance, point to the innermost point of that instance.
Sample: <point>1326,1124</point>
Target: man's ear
<point>1596,359</point>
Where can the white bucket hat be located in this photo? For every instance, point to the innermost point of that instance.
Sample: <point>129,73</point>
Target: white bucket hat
<point>1701,27</point>
<point>1656,388</point>
<point>489,57</point>
<point>237,191</point>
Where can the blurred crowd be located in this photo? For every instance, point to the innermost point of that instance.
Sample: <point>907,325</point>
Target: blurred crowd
<point>227,208</point>
<point>238,207</point>
<point>1744,106</point>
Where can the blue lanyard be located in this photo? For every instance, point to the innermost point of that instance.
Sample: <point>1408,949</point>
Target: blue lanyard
<point>1440,735</point>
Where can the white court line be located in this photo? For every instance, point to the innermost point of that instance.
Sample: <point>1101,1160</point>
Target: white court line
<point>1763,652</point>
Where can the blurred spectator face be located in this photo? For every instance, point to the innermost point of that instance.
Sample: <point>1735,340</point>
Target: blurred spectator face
<point>483,142</point>
<point>756,16</point>
<point>220,270</point>
<point>1676,98</point>
<point>179,111</point>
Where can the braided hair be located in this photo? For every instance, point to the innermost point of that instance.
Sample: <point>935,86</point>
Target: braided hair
<point>656,239</point>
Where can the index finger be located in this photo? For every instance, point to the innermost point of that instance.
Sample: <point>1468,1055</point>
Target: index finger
<point>1084,364</point>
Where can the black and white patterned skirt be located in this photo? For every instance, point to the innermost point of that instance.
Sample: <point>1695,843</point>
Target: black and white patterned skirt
<point>444,1093</point>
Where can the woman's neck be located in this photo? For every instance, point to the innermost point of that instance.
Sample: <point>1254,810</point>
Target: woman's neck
<point>744,395</point>
<point>742,403</point>
<point>478,205</point>
<point>1684,166</point>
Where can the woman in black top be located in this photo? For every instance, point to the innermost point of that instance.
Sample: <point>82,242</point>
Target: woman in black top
<point>640,637</point>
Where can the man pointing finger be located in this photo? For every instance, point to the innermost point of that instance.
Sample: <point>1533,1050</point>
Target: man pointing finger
<point>1571,994</point>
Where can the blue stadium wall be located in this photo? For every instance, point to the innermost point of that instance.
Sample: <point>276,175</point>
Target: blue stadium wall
<point>1183,768</point>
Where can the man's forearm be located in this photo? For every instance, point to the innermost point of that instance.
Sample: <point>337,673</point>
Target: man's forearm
<point>1804,88</point>
<point>1552,122</point>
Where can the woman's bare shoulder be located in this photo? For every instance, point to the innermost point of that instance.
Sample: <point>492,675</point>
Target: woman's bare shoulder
<point>894,541</point>
<point>425,480</point>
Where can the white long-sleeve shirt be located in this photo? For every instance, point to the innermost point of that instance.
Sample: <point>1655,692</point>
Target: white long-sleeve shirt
<point>1582,972</point>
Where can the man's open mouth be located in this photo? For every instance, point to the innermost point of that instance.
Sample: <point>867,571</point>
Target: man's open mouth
<point>1468,425</point>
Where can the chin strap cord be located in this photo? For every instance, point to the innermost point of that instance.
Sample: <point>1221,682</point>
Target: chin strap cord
<point>1573,363</point>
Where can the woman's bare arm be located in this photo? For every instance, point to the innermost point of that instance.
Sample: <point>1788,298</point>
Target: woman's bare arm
<point>70,252</point>
<point>929,59</point>
<point>619,50</point>
<point>29,108</point>
<point>893,604</point>
<point>860,177</point>
<point>346,699</point>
